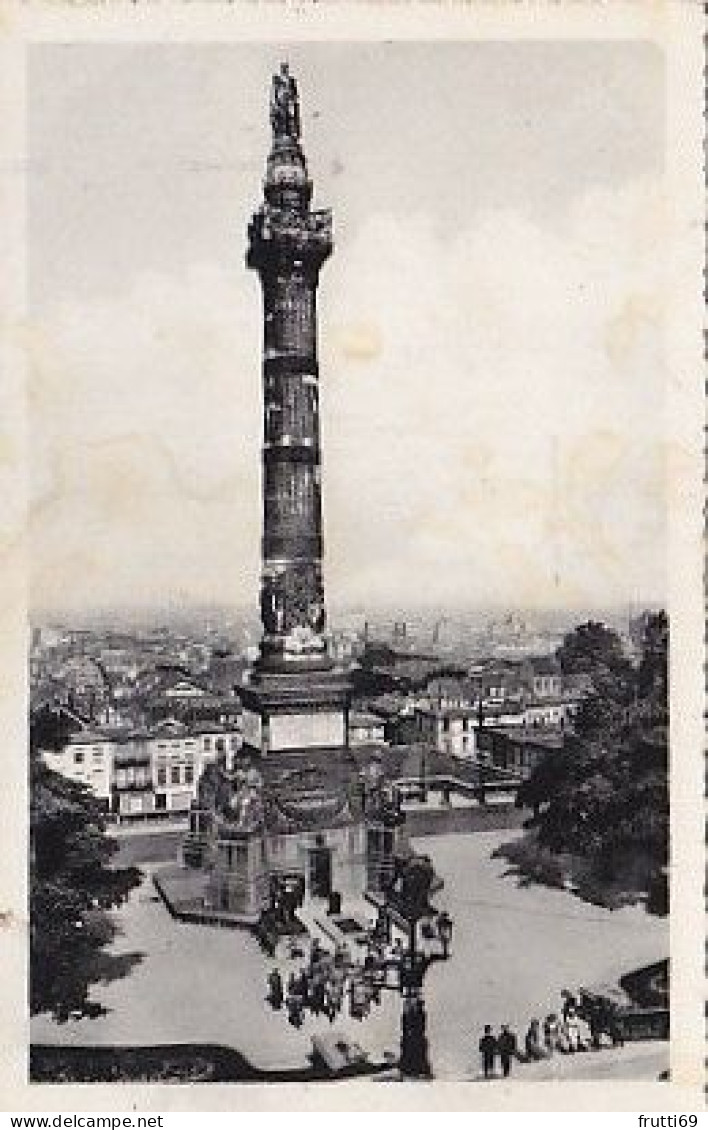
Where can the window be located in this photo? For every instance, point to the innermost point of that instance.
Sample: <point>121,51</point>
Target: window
<point>189,774</point>
<point>220,745</point>
<point>160,801</point>
<point>207,743</point>
<point>78,757</point>
<point>98,755</point>
<point>174,775</point>
<point>162,775</point>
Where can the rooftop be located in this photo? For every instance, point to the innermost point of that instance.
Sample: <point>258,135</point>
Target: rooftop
<point>365,718</point>
<point>553,700</point>
<point>88,737</point>
<point>550,740</point>
<point>544,665</point>
<point>449,711</point>
<point>124,735</point>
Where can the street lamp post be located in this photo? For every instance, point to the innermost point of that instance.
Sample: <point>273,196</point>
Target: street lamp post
<point>406,904</point>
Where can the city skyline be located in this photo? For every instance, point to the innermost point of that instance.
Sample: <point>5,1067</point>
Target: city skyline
<point>495,256</point>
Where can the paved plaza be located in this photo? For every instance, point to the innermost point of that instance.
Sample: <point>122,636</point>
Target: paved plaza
<point>514,948</point>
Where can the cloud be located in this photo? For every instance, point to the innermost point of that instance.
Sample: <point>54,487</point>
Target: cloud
<point>492,416</point>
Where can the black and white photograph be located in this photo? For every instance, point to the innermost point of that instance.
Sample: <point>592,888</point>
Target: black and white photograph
<point>349,563</point>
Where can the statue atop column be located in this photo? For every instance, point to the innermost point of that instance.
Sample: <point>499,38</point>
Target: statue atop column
<point>285,105</point>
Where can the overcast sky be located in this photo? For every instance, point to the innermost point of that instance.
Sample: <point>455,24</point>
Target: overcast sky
<point>490,323</point>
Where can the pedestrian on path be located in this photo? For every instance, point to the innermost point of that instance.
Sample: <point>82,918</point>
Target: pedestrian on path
<point>507,1047</point>
<point>551,1033</point>
<point>570,1004</point>
<point>534,1046</point>
<point>275,988</point>
<point>488,1051</point>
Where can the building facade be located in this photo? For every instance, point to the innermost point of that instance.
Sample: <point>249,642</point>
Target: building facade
<point>448,729</point>
<point>366,729</point>
<point>88,760</point>
<point>144,773</point>
<point>554,711</point>
<point>517,751</point>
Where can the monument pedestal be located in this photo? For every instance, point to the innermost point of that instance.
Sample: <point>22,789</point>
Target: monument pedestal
<point>287,711</point>
<point>239,880</point>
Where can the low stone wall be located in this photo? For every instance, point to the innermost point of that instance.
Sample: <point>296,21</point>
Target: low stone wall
<point>165,845</point>
<point>452,821</point>
<point>182,893</point>
<point>159,845</point>
<point>168,1063</point>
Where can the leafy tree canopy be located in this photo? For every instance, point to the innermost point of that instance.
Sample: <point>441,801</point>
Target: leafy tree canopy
<point>592,648</point>
<point>605,794</point>
<point>72,888</point>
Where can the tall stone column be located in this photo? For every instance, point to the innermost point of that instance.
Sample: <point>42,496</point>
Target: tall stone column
<point>288,242</point>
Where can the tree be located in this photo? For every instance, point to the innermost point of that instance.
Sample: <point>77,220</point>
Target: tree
<point>72,889</point>
<point>51,728</point>
<point>591,648</point>
<point>604,796</point>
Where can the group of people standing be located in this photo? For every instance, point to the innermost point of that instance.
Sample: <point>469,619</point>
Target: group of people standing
<point>582,1024</point>
<point>320,987</point>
